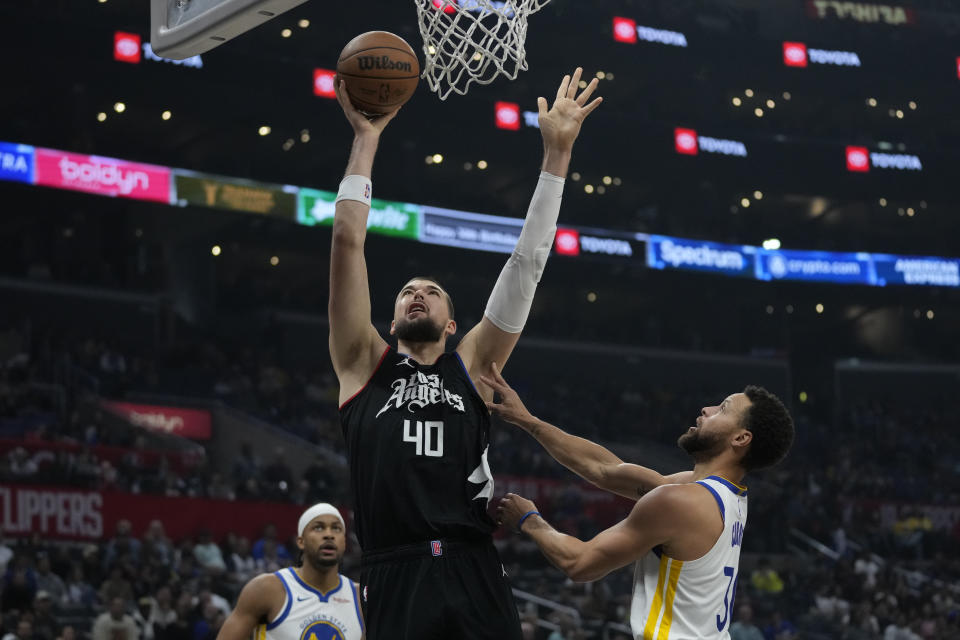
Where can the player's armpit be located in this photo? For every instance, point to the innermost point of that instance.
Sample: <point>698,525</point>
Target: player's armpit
<point>484,344</point>
<point>260,601</point>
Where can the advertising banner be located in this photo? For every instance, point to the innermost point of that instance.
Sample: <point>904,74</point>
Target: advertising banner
<point>16,162</point>
<point>470,230</point>
<point>815,266</point>
<point>233,194</point>
<point>387,218</point>
<point>186,423</point>
<point>664,252</point>
<point>103,176</point>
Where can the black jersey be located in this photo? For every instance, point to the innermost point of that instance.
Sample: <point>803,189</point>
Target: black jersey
<point>417,439</point>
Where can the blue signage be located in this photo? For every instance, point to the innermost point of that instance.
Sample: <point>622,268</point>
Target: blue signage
<point>815,266</point>
<point>16,162</point>
<point>664,252</point>
<point>917,270</point>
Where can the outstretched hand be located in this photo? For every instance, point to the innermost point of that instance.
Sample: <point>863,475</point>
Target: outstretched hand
<point>511,509</point>
<point>560,125</point>
<point>510,407</point>
<point>361,123</point>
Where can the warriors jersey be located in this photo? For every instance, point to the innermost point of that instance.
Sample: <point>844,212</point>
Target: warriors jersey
<point>693,600</point>
<point>308,614</point>
<point>417,437</point>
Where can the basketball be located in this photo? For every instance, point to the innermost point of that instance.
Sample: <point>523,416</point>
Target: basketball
<point>380,71</point>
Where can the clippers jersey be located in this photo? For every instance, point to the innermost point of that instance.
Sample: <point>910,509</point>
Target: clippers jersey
<point>692,600</point>
<point>417,438</point>
<point>308,614</point>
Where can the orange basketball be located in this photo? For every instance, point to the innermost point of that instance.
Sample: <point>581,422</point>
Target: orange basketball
<point>380,71</point>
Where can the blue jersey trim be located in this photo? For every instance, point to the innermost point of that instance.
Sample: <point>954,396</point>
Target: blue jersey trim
<point>322,596</point>
<point>467,373</point>
<point>735,488</point>
<point>716,496</point>
<point>286,610</point>
<point>356,603</point>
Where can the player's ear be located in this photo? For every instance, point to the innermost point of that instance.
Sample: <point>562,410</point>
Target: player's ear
<point>743,439</point>
<point>300,542</point>
<point>451,327</point>
<point>393,327</point>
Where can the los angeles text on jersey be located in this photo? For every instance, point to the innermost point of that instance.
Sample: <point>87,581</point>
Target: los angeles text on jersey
<point>419,390</point>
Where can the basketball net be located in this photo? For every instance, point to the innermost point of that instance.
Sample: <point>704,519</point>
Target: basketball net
<point>467,41</point>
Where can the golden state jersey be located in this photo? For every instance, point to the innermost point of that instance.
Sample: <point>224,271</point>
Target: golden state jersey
<point>693,600</point>
<point>308,614</point>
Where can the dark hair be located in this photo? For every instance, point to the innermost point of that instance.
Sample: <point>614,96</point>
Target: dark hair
<point>772,428</point>
<point>443,288</point>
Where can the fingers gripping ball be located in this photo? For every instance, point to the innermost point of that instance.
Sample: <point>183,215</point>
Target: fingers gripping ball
<point>380,71</point>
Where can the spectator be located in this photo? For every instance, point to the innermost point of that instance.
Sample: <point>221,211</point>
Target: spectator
<point>117,586</point>
<point>143,617</point>
<point>49,582</point>
<point>779,629</point>
<point>765,579</point>
<point>239,561</point>
<point>122,545</point>
<point>19,588</point>
<point>163,614</point>
<point>79,593</point>
<point>68,632</point>
<point>743,628</point>
<point>156,545</point>
<point>269,536</point>
<point>6,553</point>
<point>115,623</point>
<point>44,623</point>
<point>24,631</point>
<point>208,554</point>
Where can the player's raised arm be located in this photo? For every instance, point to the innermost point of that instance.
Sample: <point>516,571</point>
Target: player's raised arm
<point>592,462</point>
<point>355,345</point>
<point>509,304</point>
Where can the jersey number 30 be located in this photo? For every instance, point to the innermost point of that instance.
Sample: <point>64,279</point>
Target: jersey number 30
<point>428,436</point>
<point>728,597</point>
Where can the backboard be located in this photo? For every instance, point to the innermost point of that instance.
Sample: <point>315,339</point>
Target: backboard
<point>183,28</point>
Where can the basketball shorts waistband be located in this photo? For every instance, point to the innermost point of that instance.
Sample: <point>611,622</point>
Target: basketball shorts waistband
<point>440,548</point>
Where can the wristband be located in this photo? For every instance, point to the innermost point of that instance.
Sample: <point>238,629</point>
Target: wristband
<point>525,516</point>
<point>357,188</point>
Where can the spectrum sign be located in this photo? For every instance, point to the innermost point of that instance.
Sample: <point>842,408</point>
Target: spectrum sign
<point>859,160</point>
<point>104,176</point>
<point>687,142</point>
<point>796,54</point>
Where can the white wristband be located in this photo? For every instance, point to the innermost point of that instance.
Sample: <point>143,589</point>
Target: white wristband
<point>357,188</point>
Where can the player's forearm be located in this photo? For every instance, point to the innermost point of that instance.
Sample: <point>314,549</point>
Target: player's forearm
<point>563,551</point>
<point>362,153</point>
<point>586,459</point>
<point>556,161</point>
<point>350,216</point>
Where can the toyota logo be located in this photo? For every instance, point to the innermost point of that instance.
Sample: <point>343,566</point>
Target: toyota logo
<point>324,83</point>
<point>686,141</point>
<point>508,115</point>
<point>857,158</point>
<point>795,54</point>
<point>127,47</point>
<point>624,30</point>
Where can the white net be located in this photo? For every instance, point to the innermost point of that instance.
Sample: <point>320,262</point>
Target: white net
<point>467,41</point>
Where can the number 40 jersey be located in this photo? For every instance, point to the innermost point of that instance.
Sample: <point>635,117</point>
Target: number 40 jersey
<point>417,438</point>
<point>674,600</point>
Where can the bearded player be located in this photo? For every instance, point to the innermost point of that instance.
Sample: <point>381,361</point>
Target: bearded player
<point>685,531</point>
<point>310,602</point>
<point>416,427</point>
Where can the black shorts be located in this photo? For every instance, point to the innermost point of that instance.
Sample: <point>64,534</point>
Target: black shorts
<point>439,590</point>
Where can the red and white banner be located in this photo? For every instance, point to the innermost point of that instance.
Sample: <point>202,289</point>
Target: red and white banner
<point>71,514</point>
<point>105,176</point>
<point>195,424</point>
<point>944,518</point>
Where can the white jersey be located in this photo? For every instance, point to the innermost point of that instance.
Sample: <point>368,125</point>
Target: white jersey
<point>693,600</point>
<point>308,614</point>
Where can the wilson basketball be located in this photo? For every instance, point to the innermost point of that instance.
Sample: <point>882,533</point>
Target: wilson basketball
<point>380,71</point>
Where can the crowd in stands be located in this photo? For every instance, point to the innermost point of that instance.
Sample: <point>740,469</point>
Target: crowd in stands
<point>888,572</point>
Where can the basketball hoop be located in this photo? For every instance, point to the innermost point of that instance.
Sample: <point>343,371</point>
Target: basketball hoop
<point>467,41</point>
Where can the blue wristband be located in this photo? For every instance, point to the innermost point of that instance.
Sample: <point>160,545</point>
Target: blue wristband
<point>525,516</point>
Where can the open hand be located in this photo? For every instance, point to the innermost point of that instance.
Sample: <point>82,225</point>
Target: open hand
<point>510,407</point>
<point>560,125</point>
<point>361,123</point>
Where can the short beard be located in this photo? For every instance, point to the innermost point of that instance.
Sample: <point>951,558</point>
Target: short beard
<point>321,564</point>
<point>419,330</point>
<point>701,448</point>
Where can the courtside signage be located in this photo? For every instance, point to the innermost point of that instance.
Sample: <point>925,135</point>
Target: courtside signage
<point>796,54</point>
<point>219,192</point>
<point>688,142</point>
<point>916,270</point>
<point>627,30</point>
<point>865,12</point>
<point>815,266</point>
<point>16,162</point>
<point>105,176</point>
<point>386,218</point>
<point>127,47</point>
<point>860,159</point>
<point>664,252</point>
<point>470,230</point>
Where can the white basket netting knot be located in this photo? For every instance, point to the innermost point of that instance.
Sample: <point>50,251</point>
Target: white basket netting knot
<point>467,41</point>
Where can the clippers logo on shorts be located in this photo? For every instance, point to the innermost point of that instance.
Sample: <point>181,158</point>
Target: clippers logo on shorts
<point>419,390</point>
<point>323,630</point>
<point>436,548</point>
<point>796,54</point>
<point>126,47</point>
